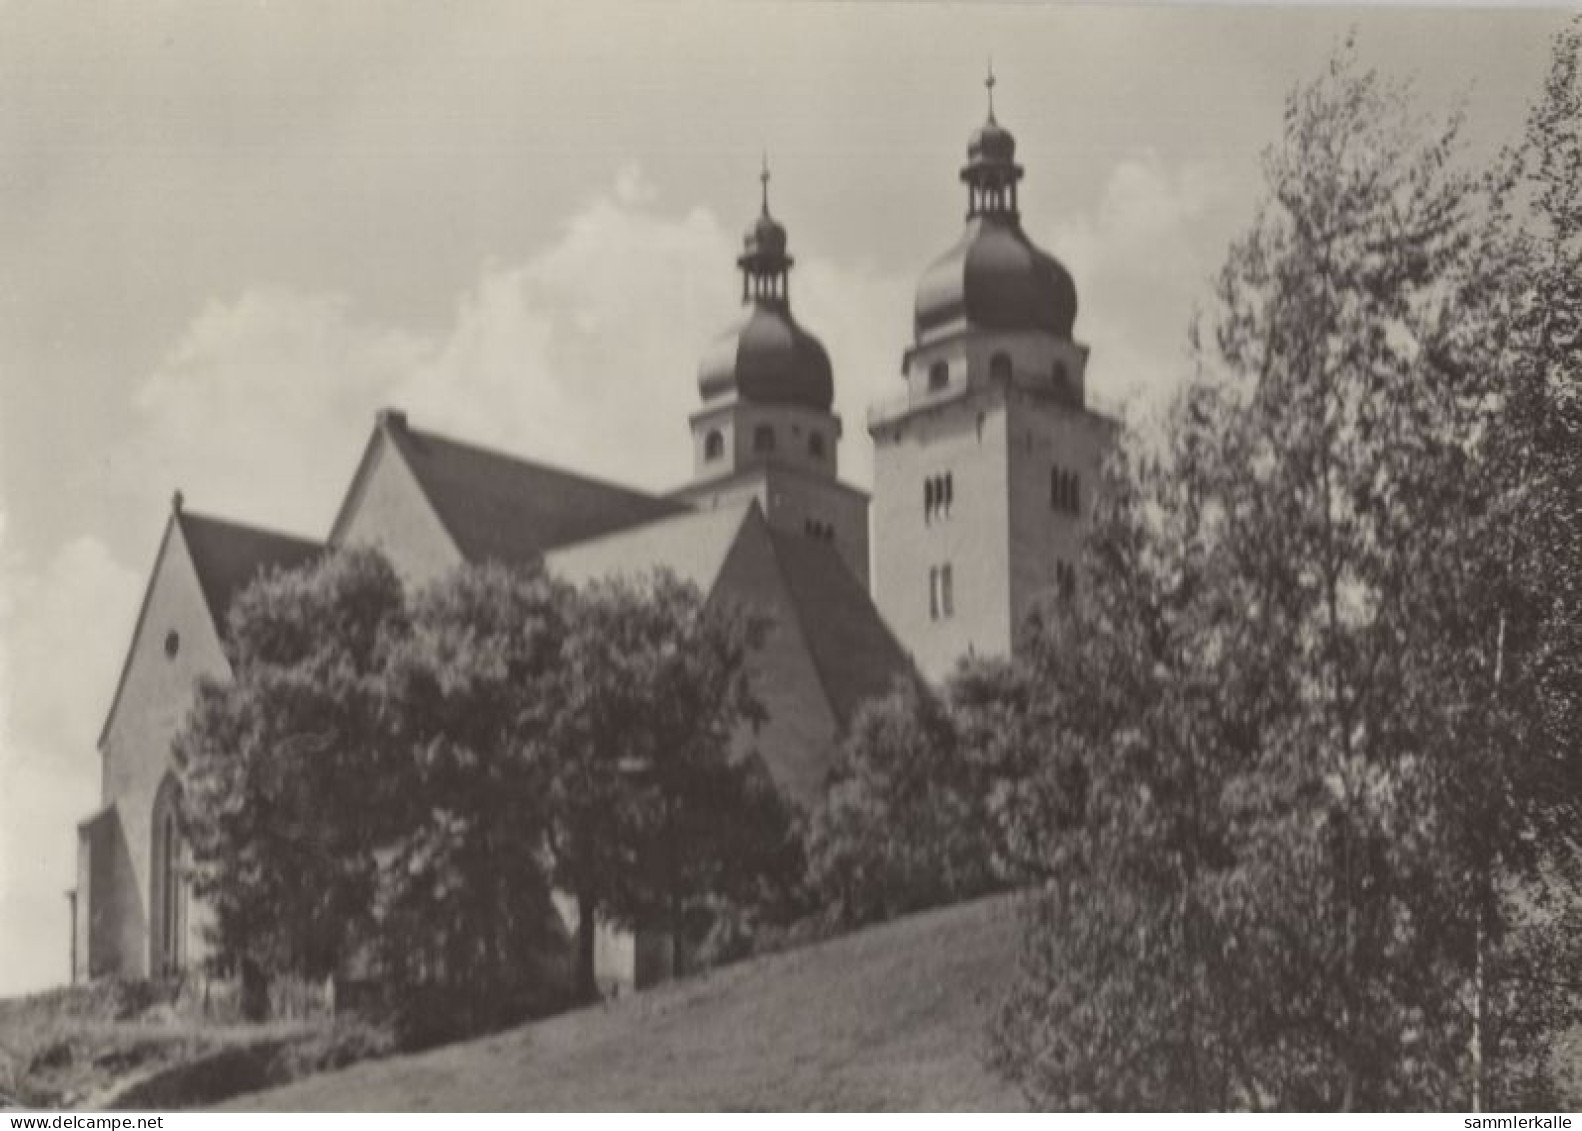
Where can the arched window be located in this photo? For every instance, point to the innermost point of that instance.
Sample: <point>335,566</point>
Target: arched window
<point>938,375</point>
<point>928,499</point>
<point>1062,381</point>
<point>713,445</point>
<point>1000,367</point>
<point>815,445</point>
<point>763,438</point>
<point>167,882</point>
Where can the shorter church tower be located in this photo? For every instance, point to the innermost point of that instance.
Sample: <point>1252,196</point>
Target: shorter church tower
<point>984,467</point>
<point>767,428</point>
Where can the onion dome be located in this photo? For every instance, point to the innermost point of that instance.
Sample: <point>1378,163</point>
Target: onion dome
<point>766,358</point>
<point>995,278</point>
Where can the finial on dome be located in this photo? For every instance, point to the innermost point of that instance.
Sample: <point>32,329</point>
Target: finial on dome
<point>763,178</point>
<point>988,84</point>
<point>176,500</point>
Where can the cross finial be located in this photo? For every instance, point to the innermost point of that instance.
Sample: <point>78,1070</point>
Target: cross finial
<point>988,84</point>
<point>763,178</point>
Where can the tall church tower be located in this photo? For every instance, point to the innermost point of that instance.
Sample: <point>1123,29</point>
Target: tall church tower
<point>984,467</point>
<point>767,428</point>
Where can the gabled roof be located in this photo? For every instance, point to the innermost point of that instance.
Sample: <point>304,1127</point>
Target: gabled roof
<point>693,546</point>
<point>854,652</point>
<point>229,556</point>
<point>497,507</point>
<point>226,556</point>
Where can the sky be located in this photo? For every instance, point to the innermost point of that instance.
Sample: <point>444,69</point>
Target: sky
<point>230,233</point>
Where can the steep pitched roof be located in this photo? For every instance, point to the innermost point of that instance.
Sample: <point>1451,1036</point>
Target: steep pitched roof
<point>856,655</point>
<point>226,556</point>
<point>693,546</point>
<point>229,556</point>
<point>501,508</point>
<point>853,651</point>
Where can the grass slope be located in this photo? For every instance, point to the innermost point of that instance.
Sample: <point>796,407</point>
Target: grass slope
<point>889,1018</point>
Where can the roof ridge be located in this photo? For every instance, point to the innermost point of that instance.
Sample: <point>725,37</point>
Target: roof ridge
<point>185,514</point>
<point>521,461</point>
<point>795,596</point>
<point>812,611</point>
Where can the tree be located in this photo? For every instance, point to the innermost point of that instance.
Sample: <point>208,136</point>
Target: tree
<point>472,693</point>
<point>1528,626</point>
<point>1135,993</point>
<point>649,802</point>
<point>934,799</point>
<point>286,765</point>
<point>395,785</point>
<point>1307,786</point>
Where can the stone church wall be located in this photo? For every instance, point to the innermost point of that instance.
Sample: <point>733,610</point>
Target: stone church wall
<point>176,644</point>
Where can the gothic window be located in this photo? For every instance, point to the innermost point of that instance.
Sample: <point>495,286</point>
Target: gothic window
<point>713,446</point>
<point>938,376</point>
<point>172,643</point>
<point>815,445</point>
<point>168,899</point>
<point>763,438</point>
<point>1000,367</point>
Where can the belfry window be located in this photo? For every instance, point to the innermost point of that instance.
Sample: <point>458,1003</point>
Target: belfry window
<point>939,493</point>
<point>763,439</point>
<point>1000,367</point>
<point>815,445</point>
<point>938,376</point>
<point>1065,491</point>
<point>1066,580</point>
<point>713,446</point>
<point>941,595</point>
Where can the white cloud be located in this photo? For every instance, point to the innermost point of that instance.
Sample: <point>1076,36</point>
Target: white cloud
<point>583,356</point>
<point>1143,259</point>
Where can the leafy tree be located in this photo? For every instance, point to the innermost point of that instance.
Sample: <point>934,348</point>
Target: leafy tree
<point>934,797</point>
<point>472,692</point>
<point>285,767</point>
<point>1308,786</point>
<point>1524,622</point>
<point>651,811</point>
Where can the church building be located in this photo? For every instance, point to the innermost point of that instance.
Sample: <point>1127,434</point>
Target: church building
<point>984,465</point>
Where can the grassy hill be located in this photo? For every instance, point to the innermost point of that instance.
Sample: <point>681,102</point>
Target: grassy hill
<point>889,1018</point>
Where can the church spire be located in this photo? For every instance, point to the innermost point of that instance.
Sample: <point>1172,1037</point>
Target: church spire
<point>765,266</point>
<point>991,172</point>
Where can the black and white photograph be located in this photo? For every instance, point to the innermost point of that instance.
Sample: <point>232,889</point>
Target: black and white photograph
<point>787,555</point>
